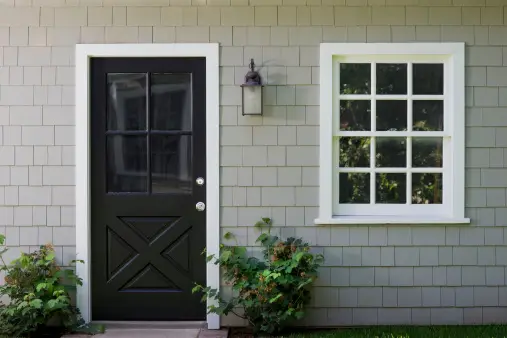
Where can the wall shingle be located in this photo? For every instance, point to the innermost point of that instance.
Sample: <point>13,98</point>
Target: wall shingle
<point>269,165</point>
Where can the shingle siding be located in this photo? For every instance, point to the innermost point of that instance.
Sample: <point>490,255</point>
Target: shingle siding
<point>269,164</point>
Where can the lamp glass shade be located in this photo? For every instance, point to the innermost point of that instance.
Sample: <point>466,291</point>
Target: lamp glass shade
<point>252,100</point>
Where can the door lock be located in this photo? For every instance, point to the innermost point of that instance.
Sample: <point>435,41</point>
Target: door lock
<point>200,206</point>
<point>199,181</point>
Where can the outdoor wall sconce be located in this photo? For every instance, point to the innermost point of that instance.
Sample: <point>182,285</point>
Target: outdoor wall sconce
<point>252,92</point>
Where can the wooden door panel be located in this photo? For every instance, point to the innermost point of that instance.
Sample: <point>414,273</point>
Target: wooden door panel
<point>148,140</point>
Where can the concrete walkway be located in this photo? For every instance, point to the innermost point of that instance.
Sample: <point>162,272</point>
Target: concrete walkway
<point>157,333</point>
<point>150,333</point>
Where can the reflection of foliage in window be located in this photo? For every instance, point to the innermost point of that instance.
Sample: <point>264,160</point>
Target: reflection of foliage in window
<point>355,78</point>
<point>428,78</point>
<point>390,188</point>
<point>391,115</point>
<point>391,78</point>
<point>427,188</point>
<point>354,188</point>
<point>428,115</point>
<point>391,152</point>
<point>355,115</point>
<point>427,152</point>
<point>354,151</point>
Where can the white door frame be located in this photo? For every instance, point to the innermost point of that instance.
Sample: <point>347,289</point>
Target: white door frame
<point>83,180</point>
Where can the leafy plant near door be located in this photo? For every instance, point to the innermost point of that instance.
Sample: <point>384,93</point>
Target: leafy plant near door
<point>38,290</point>
<point>272,291</point>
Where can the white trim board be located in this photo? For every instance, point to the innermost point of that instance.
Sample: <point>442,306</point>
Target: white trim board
<point>83,207</point>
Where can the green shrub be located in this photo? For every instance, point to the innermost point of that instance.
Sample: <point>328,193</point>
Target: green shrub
<point>272,291</point>
<point>38,290</point>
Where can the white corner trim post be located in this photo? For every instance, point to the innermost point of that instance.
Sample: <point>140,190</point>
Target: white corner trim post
<point>83,207</point>
<point>326,130</point>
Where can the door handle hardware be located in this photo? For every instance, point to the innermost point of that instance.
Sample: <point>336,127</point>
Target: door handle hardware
<point>200,206</point>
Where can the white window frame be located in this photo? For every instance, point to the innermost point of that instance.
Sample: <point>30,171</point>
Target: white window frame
<point>452,55</point>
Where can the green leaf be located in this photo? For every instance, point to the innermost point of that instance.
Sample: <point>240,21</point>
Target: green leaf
<point>240,251</point>
<point>259,225</point>
<point>224,257</point>
<point>36,303</point>
<point>51,304</point>
<point>228,235</point>
<point>299,255</point>
<point>261,238</point>
<point>274,299</point>
<point>41,286</point>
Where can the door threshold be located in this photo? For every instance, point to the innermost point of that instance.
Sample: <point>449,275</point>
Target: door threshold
<point>112,325</point>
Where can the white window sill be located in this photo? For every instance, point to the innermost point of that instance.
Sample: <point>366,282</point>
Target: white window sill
<point>407,220</point>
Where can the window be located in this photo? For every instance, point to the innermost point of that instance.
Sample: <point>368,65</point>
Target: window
<point>392,133</point>
<point>149,133</point>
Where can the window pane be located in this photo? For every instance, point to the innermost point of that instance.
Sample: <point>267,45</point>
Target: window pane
<point>427,188</point>
<point>428,79</point>
<point>354,188</point>
<point>171,102</point>
<point>427,152</point>
<point>355,115</point>
<point>171,163</point>
<point>354,152</point>
<point>391,152</point>
<point>428,115</point>
<point>391,115</point>
<point>126,101</point>
<point>391,78</point>
<point>391,188</point>
<point>126,163</point>
<point>355,78</point>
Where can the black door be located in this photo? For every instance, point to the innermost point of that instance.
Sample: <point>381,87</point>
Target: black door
<point>148,141</point>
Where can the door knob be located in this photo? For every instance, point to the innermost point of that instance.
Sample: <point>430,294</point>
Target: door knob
<point>200,206</point>
<point>199,181</point>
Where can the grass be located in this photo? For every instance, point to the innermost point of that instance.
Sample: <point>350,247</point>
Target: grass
<point>492,331</point>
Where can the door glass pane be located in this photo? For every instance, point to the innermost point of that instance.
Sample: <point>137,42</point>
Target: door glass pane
<point>428,115</point>
<point>392,115</point>
<point>355,115</point>
<point>391,78</point>
<point>355,78</point>
<point>427,152</point>
<point>171,102</point>
<point>126,163</point>
<point>126,101</point>
<point>354,188</point>
<point>428,79</point>
<point>427,188</point>
<point>391,188</point>
<point>391,152</point>
<point>354,152</point>
<point>171,163</point>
